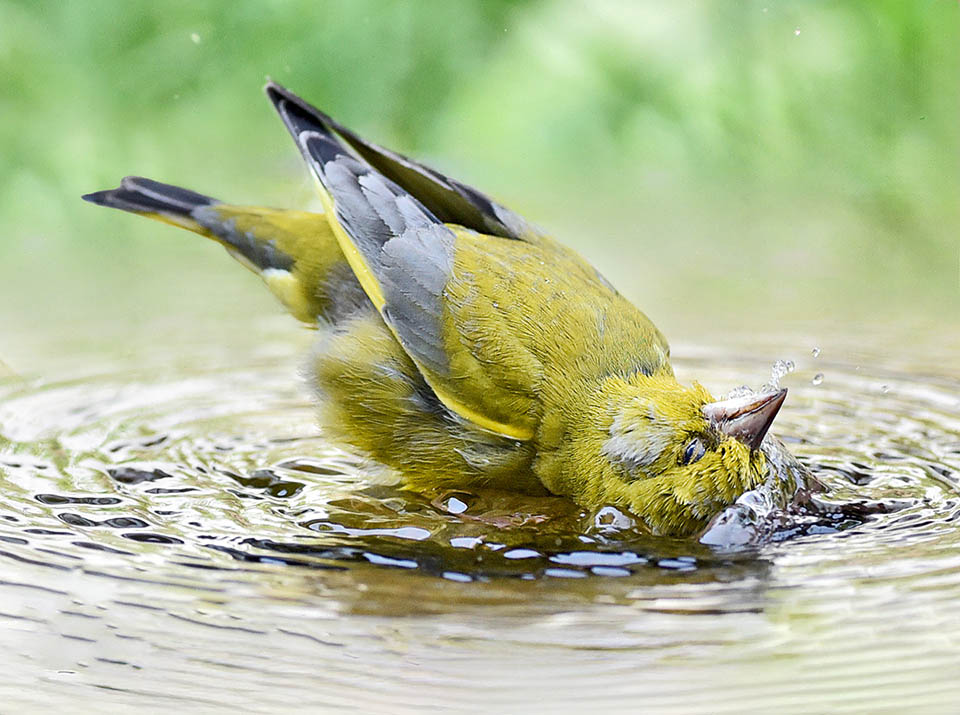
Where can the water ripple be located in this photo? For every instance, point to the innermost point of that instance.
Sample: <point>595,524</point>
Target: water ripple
<point>189,539</point>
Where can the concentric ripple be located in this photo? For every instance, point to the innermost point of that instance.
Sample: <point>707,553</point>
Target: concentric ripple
<point>189,539</point>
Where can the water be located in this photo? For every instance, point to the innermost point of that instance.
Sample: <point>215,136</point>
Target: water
<point>177,534</point>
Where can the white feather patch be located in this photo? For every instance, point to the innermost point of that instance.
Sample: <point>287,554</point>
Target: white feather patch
<point>638,442</point>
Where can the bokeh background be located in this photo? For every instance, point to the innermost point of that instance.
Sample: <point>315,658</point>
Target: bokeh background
<point>732,167</point>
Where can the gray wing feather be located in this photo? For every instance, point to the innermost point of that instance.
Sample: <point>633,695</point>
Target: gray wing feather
<point>448,199</point>
<point>409,251</point>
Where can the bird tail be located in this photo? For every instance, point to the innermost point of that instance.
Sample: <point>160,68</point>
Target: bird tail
<point>163,202</point>
<point>294,252</point>
<point>242,230</point>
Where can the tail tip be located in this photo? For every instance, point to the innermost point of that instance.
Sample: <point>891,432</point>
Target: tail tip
<point>108,197</point>
<point>139,194</point>
<point>100,198</point>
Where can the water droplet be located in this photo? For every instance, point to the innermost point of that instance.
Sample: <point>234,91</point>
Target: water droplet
<point>815,352</point>
<point>884,389</point>
<point>817,379</point>
<point>779,369</point>
<point>796,33</point>
<point>195,37</point>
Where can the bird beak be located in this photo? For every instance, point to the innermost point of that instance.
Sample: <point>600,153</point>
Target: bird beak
<point>747,418</point>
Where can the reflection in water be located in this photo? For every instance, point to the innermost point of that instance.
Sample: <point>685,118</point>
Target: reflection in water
<point>189,540</point>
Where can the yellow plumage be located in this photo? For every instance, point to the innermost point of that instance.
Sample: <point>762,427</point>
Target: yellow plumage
<point>462,347</point>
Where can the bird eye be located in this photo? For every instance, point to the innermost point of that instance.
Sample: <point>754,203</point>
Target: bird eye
<point>694,451</point>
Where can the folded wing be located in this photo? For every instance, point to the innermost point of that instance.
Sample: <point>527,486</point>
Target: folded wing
<point>404,255</point>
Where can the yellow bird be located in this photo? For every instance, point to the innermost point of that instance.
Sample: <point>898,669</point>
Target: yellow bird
<point>462,347</point>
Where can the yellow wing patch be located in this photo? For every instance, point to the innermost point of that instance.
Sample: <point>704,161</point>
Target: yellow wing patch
<point>359,266</point>
<point>512,431</point>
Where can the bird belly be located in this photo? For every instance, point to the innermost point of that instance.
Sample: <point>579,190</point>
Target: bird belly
<point>373,398</point>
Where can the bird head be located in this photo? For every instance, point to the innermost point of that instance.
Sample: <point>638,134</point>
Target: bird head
<point>679,455</point>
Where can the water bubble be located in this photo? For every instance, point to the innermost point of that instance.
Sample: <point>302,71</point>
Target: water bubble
<point>817,379</point>
<point>195,37</point>
<point>815,352</point>
<point>796,33</point>
<point>884,389</point>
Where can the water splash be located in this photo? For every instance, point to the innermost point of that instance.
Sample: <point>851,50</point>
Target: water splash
<point>778,371</point>
<point>741,391</point>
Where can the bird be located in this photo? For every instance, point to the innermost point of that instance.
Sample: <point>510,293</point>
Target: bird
<point>459,346</point>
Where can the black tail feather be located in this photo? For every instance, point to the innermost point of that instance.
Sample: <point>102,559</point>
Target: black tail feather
<point>141,195</point>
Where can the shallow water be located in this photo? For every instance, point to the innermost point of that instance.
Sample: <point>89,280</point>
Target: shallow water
<point>181,535</point>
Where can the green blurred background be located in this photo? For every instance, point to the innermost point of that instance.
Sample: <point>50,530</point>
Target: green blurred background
<point>731,166</point>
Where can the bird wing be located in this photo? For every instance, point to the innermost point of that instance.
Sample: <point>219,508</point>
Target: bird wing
<point>448,199</point>
<point>451,201</point>
<point>404,257</point>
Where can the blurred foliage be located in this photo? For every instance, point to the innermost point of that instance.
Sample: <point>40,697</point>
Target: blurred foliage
<point>797,155</point>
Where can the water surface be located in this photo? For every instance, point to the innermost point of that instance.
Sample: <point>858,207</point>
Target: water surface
<point>176,532</point>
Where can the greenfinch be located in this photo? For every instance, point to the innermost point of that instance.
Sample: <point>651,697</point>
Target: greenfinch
<point>462,347</point>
